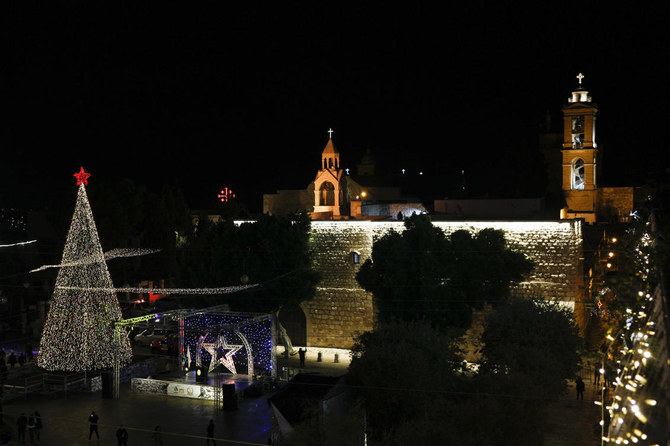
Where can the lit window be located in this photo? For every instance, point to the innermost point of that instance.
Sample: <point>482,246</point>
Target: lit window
<point>578,174</point>
<point>355,257</point>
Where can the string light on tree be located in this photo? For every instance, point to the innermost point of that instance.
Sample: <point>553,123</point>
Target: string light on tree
<point>78,332</point>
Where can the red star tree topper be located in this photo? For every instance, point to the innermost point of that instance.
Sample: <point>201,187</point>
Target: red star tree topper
<point>82,177</point>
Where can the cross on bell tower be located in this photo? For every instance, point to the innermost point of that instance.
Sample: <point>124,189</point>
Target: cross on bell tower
<point>328,196</point>
<point>580,153</point>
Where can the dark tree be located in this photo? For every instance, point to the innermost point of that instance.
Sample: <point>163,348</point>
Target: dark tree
<point>535,340</point>
<point>401,369</point>
<point>423,273</point>
<point>409,379</point>
<point>273,251</point>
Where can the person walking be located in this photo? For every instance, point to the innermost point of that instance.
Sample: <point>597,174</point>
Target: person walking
<point>38,424</point>
<point>11,360</point>
<point>210,432</point>
<point>580,388</point>
<point>93,425</point>
<point>301,353</point>
<point>21,423</point>
<point>122,436</point>
<point>596,375</point>
<point>31,427</point>
<point>157,437</point>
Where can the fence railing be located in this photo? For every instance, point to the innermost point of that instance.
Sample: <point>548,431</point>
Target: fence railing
<point>45,383</point>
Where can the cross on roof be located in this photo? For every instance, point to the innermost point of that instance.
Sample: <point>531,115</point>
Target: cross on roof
<point>330,133</point>
<point>580,76</point>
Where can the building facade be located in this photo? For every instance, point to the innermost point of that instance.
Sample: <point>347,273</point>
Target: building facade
<point>341,308</point>
<point>584,197</point>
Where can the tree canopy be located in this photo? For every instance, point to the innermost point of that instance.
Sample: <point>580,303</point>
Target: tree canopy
<point>401,369</point>
<point>407,374</point>
<point>410,379</point>
<point>273,250</point>
<point>425,273</point>
<point>534,339</point>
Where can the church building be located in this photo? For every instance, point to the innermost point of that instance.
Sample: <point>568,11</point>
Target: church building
<point>338,193</point>
<point>584,197</point>
<point>348,218</point>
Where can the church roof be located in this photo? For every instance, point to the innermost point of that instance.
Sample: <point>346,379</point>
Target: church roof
<point>330,147</point>
<point>368,158</point>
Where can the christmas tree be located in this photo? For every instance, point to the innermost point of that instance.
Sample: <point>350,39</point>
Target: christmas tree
<point>79,331</point>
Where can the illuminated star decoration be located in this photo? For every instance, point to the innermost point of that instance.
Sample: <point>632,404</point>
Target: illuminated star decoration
<point>82,177</point>
<point>227,359</point>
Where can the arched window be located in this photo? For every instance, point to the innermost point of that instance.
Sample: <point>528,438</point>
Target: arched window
<point>578,174</point>
<point>327,194</point>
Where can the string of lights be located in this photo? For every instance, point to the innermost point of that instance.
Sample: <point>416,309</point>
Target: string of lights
<point>111,289</point>
<point>18,244</point>
<point>630,412</point>
<point>207,335</point>
<point>113,254</point>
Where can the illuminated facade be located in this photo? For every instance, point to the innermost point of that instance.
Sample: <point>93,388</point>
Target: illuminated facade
<point>584,198</point>
<point>341,308</point>
<point>335,194</point>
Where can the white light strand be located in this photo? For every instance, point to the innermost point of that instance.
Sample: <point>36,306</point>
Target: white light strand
<point>220,290</point>
<point>113,254</point>
<point>18,244</point>
<point>627,416</point>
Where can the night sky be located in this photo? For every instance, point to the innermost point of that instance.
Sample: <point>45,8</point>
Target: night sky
<point>243,96</point>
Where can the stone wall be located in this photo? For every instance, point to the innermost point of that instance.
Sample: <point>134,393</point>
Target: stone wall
<point>341,308</point>
<point>615,202</point>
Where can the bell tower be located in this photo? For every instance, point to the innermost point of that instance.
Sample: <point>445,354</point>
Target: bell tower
<point>328,182</point>
<point>579,155</point>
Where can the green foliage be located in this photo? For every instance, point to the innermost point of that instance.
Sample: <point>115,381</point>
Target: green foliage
<point>535,340</point>
<point>273,250</point>
<point>423,273</point>
<point>400,368</point>
<point>408,375</point>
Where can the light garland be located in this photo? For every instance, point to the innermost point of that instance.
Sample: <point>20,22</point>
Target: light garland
<point>78,333</point>
<point>633,402</point>
<point>226,359</point>
<point>18,244</point>
<point>219,290</point>
<point>254,354</point>
<point>113,254</point>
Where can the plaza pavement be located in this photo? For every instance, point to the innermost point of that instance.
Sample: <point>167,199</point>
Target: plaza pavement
<point>183,421</point>
<point>575,422</point>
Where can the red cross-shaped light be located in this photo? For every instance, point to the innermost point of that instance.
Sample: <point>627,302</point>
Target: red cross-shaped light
<point>225,194</point>
<point>82,177</point>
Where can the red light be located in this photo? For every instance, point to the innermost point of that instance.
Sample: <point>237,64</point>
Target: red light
<point>82,177</point>
<point>225,194</point>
